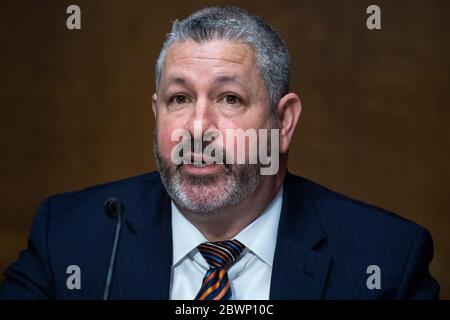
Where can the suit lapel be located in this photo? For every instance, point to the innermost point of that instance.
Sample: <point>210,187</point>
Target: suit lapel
<point>145,254</point>
<point>299,270</point>
<point>147,251</point>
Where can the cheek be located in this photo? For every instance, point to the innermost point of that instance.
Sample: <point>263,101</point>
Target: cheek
<point>163,136</point>
<point>255,122</point>
<point>253,119</point>
<point>249,120</point>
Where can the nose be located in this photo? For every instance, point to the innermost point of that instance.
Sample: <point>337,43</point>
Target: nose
<point>203,117</point>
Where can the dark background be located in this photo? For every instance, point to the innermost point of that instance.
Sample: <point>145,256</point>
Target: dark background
<point>76,108</point>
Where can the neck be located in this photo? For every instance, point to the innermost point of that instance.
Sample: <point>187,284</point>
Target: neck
<point>226,223</point>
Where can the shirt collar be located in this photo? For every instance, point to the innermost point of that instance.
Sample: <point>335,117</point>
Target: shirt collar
<point>260,236</point>
<point>185,236</point>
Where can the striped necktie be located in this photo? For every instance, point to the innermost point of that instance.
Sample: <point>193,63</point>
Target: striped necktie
<point>219,256</point>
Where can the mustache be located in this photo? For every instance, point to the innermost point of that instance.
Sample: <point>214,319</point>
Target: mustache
<point>197,149</point>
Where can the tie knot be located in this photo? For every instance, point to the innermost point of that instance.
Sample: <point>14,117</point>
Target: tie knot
<point>221,254</point>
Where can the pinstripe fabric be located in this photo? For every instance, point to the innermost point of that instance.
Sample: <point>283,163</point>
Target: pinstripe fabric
<point>325,243</point>
<point>219,255</point>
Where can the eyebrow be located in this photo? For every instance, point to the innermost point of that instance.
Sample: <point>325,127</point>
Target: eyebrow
<point>227,78</point>
<point>177,80</point>
<point>223,79</point>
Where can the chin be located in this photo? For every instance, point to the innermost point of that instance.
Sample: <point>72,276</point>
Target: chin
<point>202,193</point>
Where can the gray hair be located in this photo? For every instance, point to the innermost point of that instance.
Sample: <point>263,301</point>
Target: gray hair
<point>236,24</point>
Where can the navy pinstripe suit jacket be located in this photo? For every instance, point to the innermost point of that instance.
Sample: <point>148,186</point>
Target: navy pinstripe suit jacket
<point>325,244</point>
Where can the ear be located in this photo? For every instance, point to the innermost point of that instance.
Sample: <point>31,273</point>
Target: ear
<point>289,109</point>
<point>154,99</point>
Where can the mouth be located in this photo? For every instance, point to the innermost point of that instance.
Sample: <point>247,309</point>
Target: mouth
<point>202,169</point>
<point>201,165</point>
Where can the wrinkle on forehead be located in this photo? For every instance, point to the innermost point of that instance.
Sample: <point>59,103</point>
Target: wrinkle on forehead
<point>211,59</point>
<point>213,62</point>
<point>232,52</point>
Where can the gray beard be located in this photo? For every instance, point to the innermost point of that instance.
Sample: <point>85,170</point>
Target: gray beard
<point>241,180</point>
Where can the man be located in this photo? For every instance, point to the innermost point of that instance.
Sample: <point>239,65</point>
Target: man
<point>204,228</point>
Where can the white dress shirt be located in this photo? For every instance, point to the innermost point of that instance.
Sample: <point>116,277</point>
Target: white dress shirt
<point>249,276</point>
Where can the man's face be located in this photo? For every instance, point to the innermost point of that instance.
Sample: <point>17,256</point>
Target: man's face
<point>218,84</point>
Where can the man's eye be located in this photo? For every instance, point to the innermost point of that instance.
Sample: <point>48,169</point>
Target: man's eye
<point>231,99</point>
<point>179,99</point>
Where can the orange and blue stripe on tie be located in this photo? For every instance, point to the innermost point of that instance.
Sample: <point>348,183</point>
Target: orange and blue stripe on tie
<point>219,255</point>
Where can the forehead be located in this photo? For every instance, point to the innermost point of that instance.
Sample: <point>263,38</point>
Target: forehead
<point>211,55</point>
